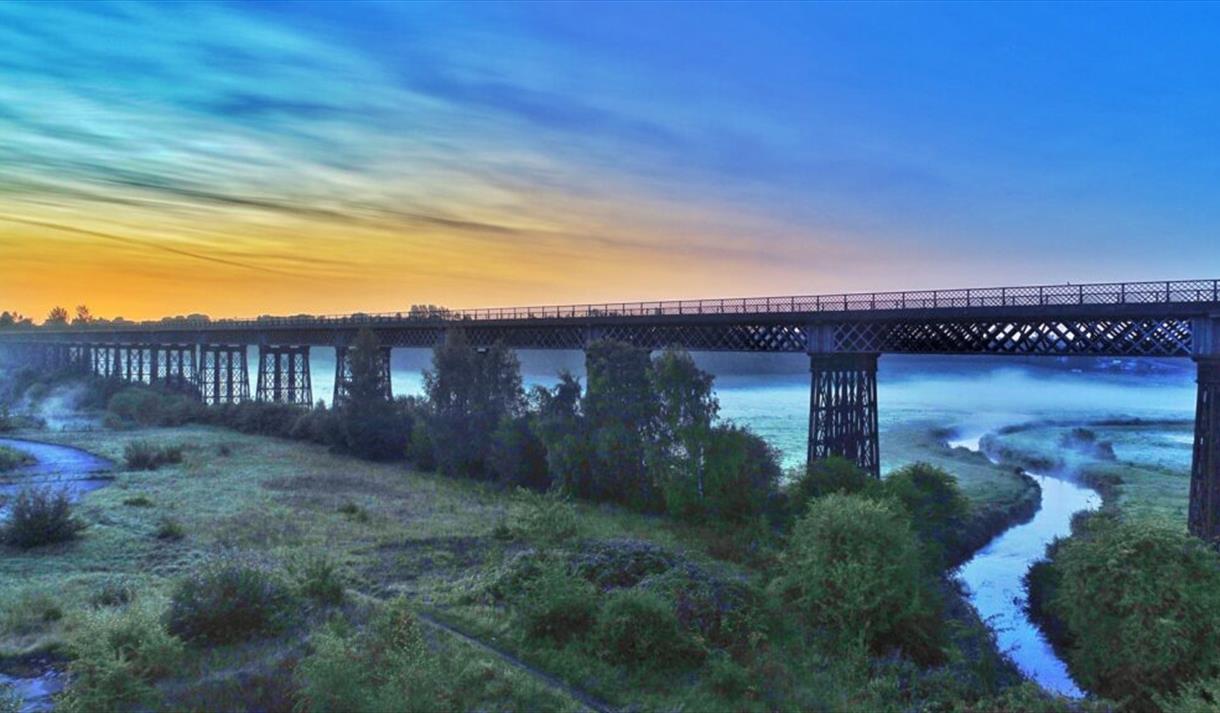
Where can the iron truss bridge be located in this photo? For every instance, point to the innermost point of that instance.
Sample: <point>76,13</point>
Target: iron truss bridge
<point>843,335</point>
<point>1110,319</point>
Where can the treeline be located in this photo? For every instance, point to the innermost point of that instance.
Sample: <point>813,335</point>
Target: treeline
<point>643,433</point>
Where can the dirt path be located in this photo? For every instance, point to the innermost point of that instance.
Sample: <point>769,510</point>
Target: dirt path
<point>551,681</point>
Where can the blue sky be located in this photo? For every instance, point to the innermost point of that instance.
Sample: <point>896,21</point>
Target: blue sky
<point>369,156</point>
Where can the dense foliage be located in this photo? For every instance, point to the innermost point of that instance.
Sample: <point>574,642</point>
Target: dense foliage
<point>230,598</point>
<point>39,516</point>
<point>854,565</point>
<point>470,391</point>
<point>1139,605</point>
<point>143,455</point>
<point>939,512</point>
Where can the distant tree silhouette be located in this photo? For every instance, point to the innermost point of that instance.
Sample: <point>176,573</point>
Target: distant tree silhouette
<point>369,422</point>
<point>470,392</point>
<point>83,316</point>
<point>57,315</point>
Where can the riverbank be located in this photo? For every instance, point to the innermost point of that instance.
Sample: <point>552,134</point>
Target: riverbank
<point>1137,542</point>
<point>396,532</point>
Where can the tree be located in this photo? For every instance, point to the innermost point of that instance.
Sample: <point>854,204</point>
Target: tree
<point>83,316</point>
<point>57,315</point>
<point>470,392</point>
<point>685,410</point>
<point>369,422</point>
<point>560,425</point>
<point>621,411</point>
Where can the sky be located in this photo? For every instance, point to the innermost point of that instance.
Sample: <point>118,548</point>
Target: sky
<point>239,159</point>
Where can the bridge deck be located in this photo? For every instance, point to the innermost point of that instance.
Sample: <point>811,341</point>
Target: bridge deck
<point>1129,319</point>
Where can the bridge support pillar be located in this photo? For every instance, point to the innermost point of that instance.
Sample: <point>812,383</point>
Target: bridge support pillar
<point>343,374</point>
<point>223,374</point>
<point>283,375</point>
<point>843,409</point>
<point>1204,514</point>
<point>174,366</point>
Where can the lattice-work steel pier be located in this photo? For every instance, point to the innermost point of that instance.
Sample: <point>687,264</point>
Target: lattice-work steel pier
<point>843,334</point>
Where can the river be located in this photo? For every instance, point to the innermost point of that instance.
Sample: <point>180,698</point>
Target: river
<point>994,577</point>
<point>37,680</point>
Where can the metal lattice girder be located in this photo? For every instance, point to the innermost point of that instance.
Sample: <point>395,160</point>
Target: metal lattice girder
<point>1204,515</point>
<point>843,410</point>
<point>343,374</point>
<point>224,376</point>
<point>715,337</point>
<point>1120,337</point>
<point>283,375</point>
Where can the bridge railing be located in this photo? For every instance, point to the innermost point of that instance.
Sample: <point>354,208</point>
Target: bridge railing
<point>1112,293</point>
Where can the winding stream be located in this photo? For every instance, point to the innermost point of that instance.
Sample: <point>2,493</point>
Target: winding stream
<point>36,680</point>
<point>994,578</point>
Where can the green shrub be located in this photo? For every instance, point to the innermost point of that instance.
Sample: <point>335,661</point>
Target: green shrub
<point>726,677</point>
<point>319,578</point>
<point>142,455</point>
<point>149,406</point>
<point>939,511</point>
<point>113,593</point>
<point>854,566</point>
<point>557,605</point>
<point>116,653</point>
<point>39,516</point>
<point>549,518</point>
<point>638,627</point>
<point>29,609</point>
<point>230,598</point>
<point>1141,606</point>
<point>170,530</point>
<point>139,501</point>
<point>386,667</point>
<point>719,610</point>
<point>517,456</point>
<point>11,458</point>
<point>1195,696</point>
<point>354,512</point>
<point>831,475</point>
<point>612,564</point>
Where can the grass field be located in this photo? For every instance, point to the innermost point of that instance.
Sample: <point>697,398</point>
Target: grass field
<point>435,540</point>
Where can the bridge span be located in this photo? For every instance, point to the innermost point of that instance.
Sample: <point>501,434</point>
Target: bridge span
<point>843,334</point>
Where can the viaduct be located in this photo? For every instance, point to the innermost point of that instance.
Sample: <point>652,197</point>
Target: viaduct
<point>843,335</point>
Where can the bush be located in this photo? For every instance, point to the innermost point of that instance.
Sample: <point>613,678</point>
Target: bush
<point>718,610</point>
<point>115,655</point>
<point>549,518</point>
<point>1141,606</point>
<point>148,406</point>
<point>517,455</point>
<point>11,458</point>
<point>831,475</point>
<point>28,610</point>
<point>142,455</point>
<point>638,627</point>
<point>230,598</point>
<point>854,565</point>
<point>613,564</point>
<point>939,511</point>
<point>319,578</point>
<point>170,530</point>
<point>139,501</point>
<point>556,605</point>
<point>386,667</point>
<point>40,516</point>
<point>113,593</point>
